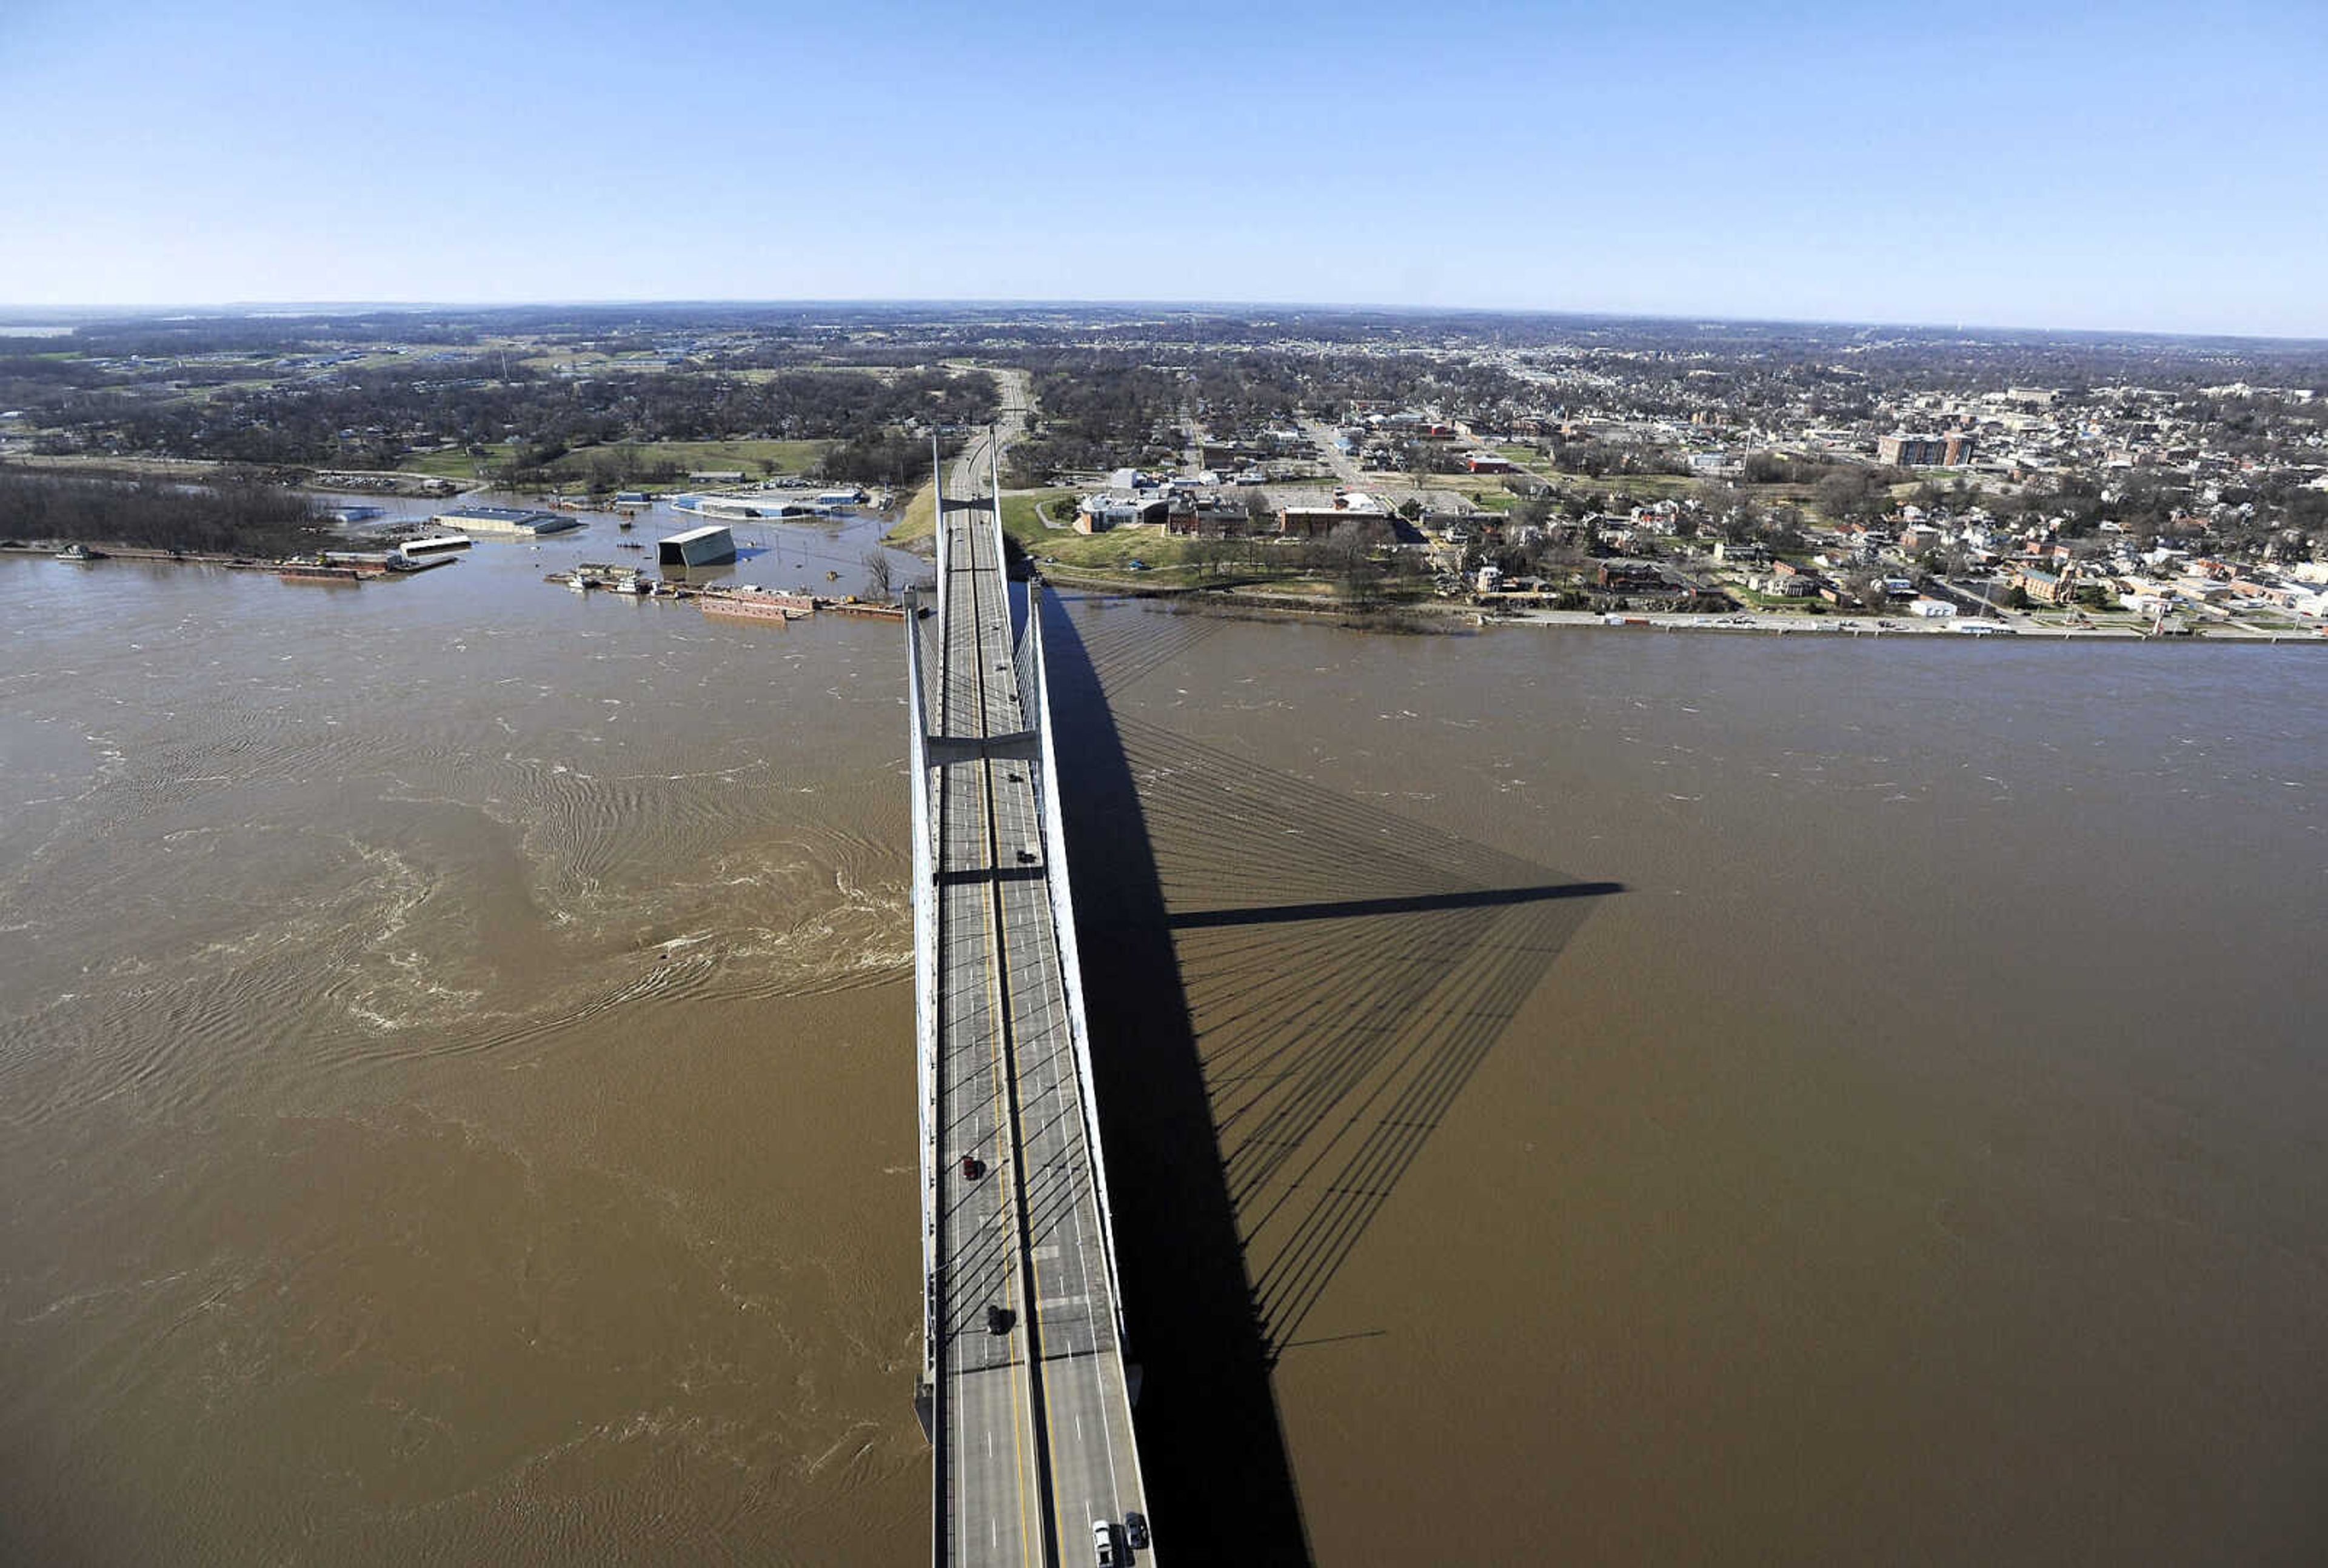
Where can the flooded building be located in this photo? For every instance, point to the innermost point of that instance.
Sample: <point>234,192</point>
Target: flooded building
<point>503,520</point>
<point>698,546</point>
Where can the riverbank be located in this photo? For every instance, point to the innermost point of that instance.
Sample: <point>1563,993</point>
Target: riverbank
<point>1429,617</point>
<point>1247,604</point>
<point>2023,628</point>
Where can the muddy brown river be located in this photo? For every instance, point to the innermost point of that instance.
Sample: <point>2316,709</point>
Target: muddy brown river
<point>1608,1096</point>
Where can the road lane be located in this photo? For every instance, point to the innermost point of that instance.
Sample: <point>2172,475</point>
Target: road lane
<point>1036,1441</point>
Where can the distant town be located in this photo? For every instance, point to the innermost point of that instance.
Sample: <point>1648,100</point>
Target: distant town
<point>1368,464</point>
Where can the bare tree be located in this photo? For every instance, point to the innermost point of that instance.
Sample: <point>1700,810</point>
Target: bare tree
<point>876,573</point>
<point>1348,553</point>
<point>1866,589</point>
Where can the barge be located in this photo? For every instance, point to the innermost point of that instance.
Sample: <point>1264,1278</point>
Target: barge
<point>316,571</point>
<point>756,606</point>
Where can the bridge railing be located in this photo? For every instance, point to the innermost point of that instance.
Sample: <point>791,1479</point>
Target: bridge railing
<point>938,520</point>
<point>1023,659</point>
<point>926,988</point>
<point>1063,918</point>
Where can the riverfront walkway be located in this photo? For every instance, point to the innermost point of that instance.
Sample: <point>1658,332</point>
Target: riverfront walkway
<point>1024,1386</point>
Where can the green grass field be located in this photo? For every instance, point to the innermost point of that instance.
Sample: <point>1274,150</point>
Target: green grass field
<point>1020,518</point>
<point>915,525</point>
<point>1093,552</point>
<point>1169,561</point>
<point>1022,521</point>
<point>451,463</point>
<point>1760,601</point>
<point>1179,559</point>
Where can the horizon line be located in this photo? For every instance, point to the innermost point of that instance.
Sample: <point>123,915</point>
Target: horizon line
<point>80,311</point>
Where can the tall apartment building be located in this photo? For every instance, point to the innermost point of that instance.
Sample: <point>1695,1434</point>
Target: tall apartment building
<point>1952,449</point>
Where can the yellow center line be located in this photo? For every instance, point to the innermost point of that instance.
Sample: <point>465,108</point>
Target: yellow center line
<point>1021,1424</point>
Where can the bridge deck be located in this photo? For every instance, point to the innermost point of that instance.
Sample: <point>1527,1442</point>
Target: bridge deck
<point>1034,1440</point>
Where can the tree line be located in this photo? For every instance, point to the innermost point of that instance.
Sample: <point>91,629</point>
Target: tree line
<point>239,514</point>
<point>373,417</point>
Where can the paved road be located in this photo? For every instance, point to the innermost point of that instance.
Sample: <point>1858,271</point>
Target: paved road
<point>1345,466</point>
<point>1036,1439</point>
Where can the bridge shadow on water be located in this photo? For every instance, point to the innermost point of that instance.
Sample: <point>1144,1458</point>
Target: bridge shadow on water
<point>1287,989</point>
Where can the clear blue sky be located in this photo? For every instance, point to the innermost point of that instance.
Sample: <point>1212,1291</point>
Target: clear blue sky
<point>2111,165</point>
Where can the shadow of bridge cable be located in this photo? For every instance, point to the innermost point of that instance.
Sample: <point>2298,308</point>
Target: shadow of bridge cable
<point>1346,972</point>
<point>1289,988</point>
<point>1341,908</point>
<point>1122,654</point>
<point>1212,1448</point>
